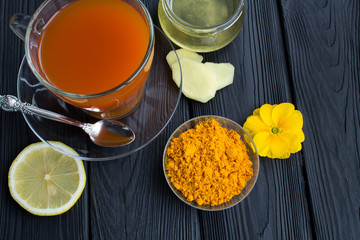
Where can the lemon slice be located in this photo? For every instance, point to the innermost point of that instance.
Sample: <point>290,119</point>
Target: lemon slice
<point>44,181</point>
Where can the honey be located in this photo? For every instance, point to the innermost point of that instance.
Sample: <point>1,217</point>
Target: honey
<point>201,25</point>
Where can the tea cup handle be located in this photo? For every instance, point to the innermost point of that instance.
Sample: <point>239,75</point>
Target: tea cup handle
<point>18,24</point>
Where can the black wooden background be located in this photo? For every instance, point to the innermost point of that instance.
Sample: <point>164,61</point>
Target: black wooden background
<point>301,51</point>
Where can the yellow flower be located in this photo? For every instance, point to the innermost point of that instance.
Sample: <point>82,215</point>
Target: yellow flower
<point>276,130</point>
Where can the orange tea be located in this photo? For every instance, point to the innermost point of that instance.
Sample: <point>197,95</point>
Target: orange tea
<point>92,46</point>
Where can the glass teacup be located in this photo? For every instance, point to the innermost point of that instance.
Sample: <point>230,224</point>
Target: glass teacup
<point>113,97</point>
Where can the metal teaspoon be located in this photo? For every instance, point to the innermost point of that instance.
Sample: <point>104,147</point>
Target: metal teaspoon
<point>106,133</point>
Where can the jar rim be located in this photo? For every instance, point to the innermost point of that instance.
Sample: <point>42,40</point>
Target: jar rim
<point>190,28</point>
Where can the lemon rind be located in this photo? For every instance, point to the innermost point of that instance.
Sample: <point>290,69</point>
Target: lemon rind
<point>47,211</point>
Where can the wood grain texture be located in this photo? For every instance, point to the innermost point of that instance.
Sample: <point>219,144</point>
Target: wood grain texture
<point>305,52</point>
<point>322,41</point>
<point>277,206</point>
<point>15,222</point>
<point>129,197</point>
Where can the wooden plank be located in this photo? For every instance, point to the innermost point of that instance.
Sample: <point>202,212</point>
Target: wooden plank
<point>277,206</point>
<point>314,194</point>
<point>129,197</point>
<point>15,222</point>
<point>323,54</point>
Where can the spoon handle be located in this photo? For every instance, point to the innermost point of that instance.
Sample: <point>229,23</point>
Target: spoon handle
<point>13,104</point>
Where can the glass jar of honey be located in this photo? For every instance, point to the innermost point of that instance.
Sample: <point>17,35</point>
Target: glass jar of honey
<point>201,25</point>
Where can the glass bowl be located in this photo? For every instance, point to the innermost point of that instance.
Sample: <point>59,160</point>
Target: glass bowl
<point>251,150</point>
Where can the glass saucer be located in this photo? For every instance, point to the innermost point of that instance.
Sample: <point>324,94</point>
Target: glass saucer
<point>159,103</point>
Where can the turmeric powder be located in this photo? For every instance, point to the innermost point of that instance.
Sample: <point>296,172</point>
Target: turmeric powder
<point>208,164</point>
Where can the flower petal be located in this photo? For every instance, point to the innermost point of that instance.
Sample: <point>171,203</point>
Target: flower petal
<point>294,142</point>
<point>285,155</point>
<point>265,114</point>
<point>262,142</point>
<point>254,124</point>
<point>281,112</point>
<point>300,135</point>
<point>256,111</point>
<point>293,122</point>
<point>279,146</point>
